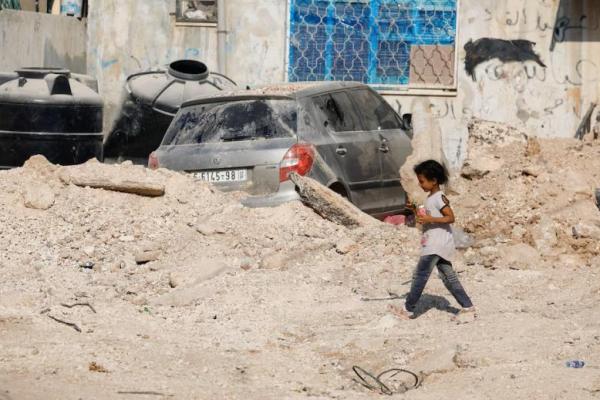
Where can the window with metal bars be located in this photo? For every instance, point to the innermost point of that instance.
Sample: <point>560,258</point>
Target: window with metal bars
<point>386,43</point>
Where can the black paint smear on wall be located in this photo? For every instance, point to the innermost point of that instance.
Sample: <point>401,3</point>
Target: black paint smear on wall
<point>486,49</point>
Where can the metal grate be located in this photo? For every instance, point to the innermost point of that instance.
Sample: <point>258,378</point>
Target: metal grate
<point>380,42</point>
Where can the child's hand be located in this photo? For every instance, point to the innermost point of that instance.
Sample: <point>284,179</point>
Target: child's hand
<point>424,219</point>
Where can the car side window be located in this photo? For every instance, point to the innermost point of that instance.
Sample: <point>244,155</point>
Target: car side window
<point>337,112</point>
<point>376,113</point>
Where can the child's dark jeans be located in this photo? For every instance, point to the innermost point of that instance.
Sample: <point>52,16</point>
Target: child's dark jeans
<point>448,275</point>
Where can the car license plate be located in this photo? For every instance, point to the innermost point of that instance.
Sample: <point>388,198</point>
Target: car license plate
<point>229,175</point>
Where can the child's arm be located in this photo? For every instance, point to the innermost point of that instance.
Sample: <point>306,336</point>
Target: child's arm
<point>448,217</point>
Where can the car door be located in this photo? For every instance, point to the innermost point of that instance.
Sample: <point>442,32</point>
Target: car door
<point>348,147</point>
<point>394,146</point>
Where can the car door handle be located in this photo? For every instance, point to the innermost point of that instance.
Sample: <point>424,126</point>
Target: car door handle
<point>384,148</point>
<point>342,151</point>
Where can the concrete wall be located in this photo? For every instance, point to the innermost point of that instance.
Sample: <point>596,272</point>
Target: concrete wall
<point>29,39</point>
<point>128,35</point>
<point>546,101</point>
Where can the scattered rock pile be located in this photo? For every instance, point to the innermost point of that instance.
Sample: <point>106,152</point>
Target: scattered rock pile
<point>529,202</point>
<point>181,292</point>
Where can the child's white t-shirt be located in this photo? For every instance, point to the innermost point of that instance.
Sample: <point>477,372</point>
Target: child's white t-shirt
<point>437,238</point>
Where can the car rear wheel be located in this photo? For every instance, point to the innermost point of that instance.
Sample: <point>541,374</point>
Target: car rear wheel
<point>339,189</point>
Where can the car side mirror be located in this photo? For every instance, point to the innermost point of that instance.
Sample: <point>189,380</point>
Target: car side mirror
<point>407,121</point>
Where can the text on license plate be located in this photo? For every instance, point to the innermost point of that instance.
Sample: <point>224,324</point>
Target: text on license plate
<point>230,175</point>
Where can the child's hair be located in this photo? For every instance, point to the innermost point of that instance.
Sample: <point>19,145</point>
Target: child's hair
<point>431,170</point>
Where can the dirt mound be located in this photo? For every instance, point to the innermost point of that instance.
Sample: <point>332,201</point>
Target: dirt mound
<point>516,190</point>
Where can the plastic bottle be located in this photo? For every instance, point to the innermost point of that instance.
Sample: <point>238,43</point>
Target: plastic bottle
<point>575,364</point>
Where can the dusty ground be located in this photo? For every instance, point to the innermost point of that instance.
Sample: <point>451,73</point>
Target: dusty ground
<point>243,303</point>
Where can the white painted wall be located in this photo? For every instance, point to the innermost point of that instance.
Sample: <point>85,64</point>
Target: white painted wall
<point>128,35</point>
<point>548,102</point>
<point>29,39</point>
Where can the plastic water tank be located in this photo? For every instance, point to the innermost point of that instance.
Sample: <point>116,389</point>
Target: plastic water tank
<point>150,102</point>
<point>52,112</point>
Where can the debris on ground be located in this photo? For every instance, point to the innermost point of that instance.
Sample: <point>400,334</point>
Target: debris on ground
<point>132,179</point>
<point>198,296</point>
<point>329,204</point>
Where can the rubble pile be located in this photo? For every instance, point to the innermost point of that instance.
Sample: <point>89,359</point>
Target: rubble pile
<point>122,282</point>
<point>191,226</point>
<point>528,201</point>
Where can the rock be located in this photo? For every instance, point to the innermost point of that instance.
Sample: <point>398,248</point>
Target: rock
<point>205,229</point>
<point>40,165</point>
<point>462,240</point>
<point>139,300</point>
<point>471,257</point>
<point>586,230</point>
<point>147,256</point>
<point>479,166</point>
<point>532,170</point>
<point>201,271</point>
<point>520,256</point>
<point>117,266</point>
<point>437,362</point>
<point>208,230</point>
<point>174,280</point>
<point>568,261</point>
<point>89,251</point>
<point>345,246</point>
<point>463,360</point>
<point>276,260</point>
<point>488,256</point>
<point>38,196</point>
<point>533,147</point>
<point>517,233</point>
<point>544,235</point>
<point>484,132</point>
<point>246,264</point>
<point>181,297</point>
<point>385,323</point>
<point>188,283</point>
<point>126,238</point>
<point>574,182</point>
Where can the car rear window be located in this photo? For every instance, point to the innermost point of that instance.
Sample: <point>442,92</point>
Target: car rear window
<point>233,121</point>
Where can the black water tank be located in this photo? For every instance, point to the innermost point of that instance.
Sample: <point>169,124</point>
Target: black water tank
<point>52,112</point>
<point>150,102</point>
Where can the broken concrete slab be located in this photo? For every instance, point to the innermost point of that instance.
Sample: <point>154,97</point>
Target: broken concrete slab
<point>329,204</point>
<point>520,256</point>
<point>478,166</point>
<point>147,256</point>
<point>39,196</point>
<point>128,179</point>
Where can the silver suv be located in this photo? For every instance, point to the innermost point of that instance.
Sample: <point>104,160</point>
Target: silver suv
<point>343,134</point>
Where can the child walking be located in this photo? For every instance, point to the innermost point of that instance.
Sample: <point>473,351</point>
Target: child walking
<point>437,244</point>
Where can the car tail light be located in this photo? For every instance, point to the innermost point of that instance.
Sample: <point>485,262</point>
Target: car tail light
<point>153,161</point>
<point>299,159</point>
